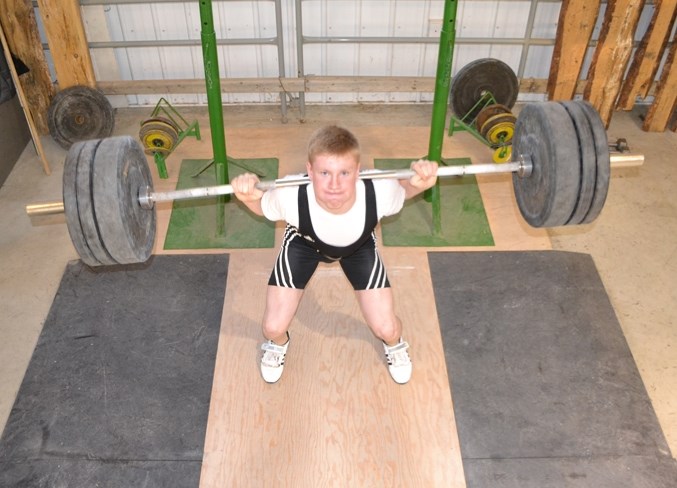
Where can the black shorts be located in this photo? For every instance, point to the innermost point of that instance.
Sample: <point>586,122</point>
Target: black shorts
<point>298,260</point>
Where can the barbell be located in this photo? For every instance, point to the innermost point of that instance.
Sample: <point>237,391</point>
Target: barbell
<point>561,166</point>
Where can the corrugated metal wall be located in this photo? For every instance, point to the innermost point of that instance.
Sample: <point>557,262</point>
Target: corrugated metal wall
<point>132,40</point>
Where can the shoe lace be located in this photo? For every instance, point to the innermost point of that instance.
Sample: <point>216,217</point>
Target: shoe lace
<point>397,355</point>
<point>273,355</point>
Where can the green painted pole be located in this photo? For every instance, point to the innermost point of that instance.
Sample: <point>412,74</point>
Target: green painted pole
<point>214,104</point>
<point>440,100</point>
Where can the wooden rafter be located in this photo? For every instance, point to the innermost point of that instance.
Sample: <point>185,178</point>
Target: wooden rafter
<point>612,55</point>
<point>576,22</point>
<point>647,58</point>
<point>665,100</point>
<point>23,39</point>
<point>67,42</point>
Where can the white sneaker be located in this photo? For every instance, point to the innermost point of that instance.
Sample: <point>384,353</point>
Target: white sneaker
<point>399,363</point>
<point>272,361</point>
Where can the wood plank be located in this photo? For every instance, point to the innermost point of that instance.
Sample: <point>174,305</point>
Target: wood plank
<point>328,422</point>
<point>67,42</point>
<point>273,85</point>
<point>612,55</point>
<point>228,85</point>
<point>21,29</point>
<point>294,85</point>
<point>576,22</point>
<point>647,58</point>
<point>335,418</point>
<point>665,101</point>
<point>316,84</point>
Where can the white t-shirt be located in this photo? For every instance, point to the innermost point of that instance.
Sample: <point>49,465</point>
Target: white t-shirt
<point>338,230</point>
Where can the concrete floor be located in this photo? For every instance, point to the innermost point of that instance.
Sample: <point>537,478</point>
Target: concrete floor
<point>633,242</point>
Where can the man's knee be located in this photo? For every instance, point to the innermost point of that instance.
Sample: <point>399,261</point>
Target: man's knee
<point>387,329</point>
<point>274,330</point>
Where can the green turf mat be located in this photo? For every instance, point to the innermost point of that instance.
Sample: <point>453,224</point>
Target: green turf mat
<point>193,222</point>
<point>464,222</point>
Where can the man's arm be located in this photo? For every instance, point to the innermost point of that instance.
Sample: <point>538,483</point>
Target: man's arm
<point>244,188</point>
<point>425,177</point>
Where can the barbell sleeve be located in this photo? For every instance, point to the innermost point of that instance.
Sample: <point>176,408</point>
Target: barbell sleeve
<point>626,160</point>
<point>48,208</point>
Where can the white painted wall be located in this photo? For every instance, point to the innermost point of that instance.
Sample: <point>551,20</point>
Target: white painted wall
<point>480,27</point>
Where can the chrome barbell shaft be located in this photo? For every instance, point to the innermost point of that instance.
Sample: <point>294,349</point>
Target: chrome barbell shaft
<point>147,198</point>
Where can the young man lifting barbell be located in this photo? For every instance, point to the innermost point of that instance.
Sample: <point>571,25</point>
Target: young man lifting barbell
<point>332,218</point>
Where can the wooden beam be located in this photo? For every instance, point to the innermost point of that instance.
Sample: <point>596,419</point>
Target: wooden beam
<point>665,100</point>
<point>21,31</point>
<point>647,58</point>
<point>24,104</point>
<point>317,84</point>
<point>67,42</point>
<point>576,22</point>
<point>612,54</point>
<point>309,84</point>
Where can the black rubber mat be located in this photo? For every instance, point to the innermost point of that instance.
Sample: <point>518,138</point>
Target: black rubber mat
<point>546,392</point>
<point>117,391</point>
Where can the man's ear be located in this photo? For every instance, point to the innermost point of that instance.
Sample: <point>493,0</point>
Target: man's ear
<point>309,168</point>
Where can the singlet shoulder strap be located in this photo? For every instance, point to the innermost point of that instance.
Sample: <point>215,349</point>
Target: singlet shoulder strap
<point>371,217</point>
<point>305,225</point>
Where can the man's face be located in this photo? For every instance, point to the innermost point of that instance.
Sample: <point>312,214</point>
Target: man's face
<point>334,179</point>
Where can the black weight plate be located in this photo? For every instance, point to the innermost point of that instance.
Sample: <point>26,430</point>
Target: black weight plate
<point>70,204</point>
<point>120,171</point>
<point>603,162</point>
<point>587,159</point>
<point>545,133</point>
<point>79,113</point>
<point>86,211</point>
<point>478,77</point>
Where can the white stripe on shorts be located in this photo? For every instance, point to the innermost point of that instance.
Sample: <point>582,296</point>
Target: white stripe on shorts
<point>282,269</point>
<point>377,278</point>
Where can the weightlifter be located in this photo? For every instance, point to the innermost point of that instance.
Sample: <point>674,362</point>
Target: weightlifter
<point>332,218</point>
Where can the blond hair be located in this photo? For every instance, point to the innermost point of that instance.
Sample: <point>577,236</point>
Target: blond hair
<point>333,140</point>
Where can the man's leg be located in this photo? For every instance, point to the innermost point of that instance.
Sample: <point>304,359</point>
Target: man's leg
<point>281,306</point>
<point>378,309</point>
<point>379,312</point>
